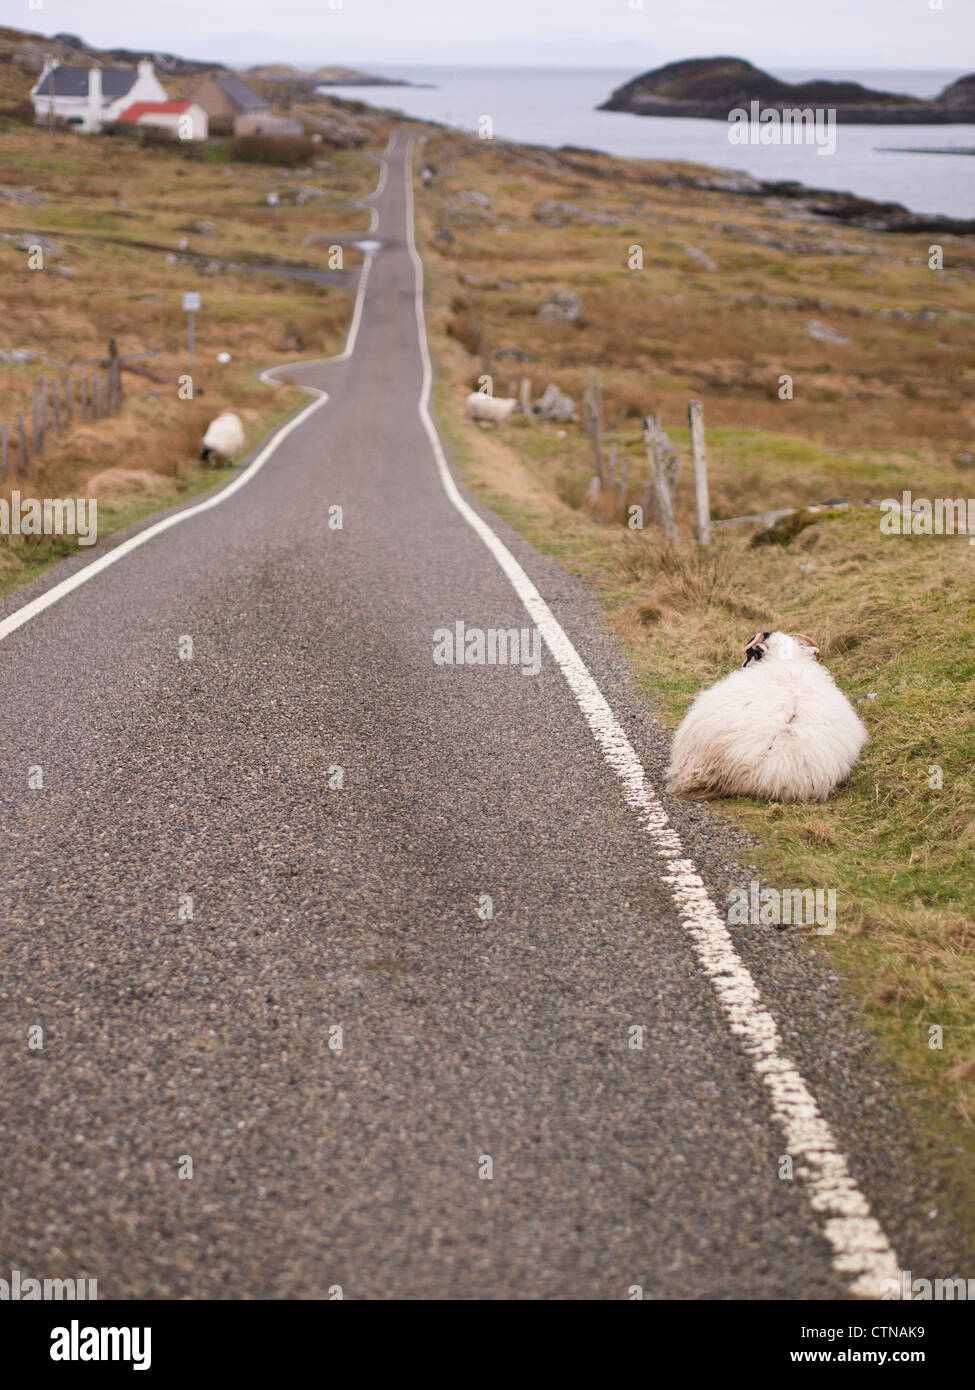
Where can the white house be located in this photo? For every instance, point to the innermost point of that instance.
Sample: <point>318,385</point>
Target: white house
<point>89,97</point>
<point>185,119</point>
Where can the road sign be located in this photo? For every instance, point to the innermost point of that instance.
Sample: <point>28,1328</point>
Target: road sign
<point>191,303</point>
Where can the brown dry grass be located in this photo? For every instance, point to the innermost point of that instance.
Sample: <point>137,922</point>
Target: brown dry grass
<point>673,330</point>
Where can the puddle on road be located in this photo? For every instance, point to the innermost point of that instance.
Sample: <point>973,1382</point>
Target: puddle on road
<point>369,248</point>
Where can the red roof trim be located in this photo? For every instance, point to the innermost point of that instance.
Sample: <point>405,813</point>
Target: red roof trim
<point>143,108</point>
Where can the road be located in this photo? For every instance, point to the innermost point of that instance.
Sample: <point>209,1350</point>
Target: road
<point>289,1045</point>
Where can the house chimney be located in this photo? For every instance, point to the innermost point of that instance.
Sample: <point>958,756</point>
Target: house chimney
<point>95,96</point>
<point>145,67</point>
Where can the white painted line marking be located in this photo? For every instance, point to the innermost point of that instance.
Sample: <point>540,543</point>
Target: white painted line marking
<point>82,576</point>
<point>861,1251</point>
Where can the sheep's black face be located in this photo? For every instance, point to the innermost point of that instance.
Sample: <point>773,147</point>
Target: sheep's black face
<point>756,648</point>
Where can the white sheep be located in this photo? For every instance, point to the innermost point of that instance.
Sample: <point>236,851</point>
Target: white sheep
<point>778,729</point>
<point>224,438</point>
<point>480,406</point>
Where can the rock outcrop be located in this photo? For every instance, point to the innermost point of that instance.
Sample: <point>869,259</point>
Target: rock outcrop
<point>711,87</point>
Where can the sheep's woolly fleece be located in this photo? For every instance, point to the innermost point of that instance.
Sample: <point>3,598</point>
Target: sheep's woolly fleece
<point>778,729</point>
<point>224,436</point>
<point>483,407</point>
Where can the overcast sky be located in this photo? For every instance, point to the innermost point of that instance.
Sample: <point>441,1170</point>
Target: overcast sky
<point>783,33</point>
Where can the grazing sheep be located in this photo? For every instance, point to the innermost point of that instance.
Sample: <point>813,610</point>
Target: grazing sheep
<point>479,406</point>
<point>777,729</point>
<point>224,438</point>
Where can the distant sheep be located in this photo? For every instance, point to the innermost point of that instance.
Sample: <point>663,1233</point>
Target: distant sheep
<point>224,438</point>
<point>778,729</point>
<point>479,406</point>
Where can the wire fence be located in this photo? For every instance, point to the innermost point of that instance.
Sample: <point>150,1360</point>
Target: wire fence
<point>89,393</point>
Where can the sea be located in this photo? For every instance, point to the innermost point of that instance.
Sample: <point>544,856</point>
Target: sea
<point>557,106</point>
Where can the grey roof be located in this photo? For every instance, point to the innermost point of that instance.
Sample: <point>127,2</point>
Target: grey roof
<point>238,91</point>
<point>73,82</point>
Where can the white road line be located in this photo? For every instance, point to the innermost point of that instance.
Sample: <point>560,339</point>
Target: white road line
<point>861,1251</point>
<point>82,576</point>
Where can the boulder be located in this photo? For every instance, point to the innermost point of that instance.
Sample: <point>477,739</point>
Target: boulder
<point>510,354</point>
<point>562,306</point>
<point>49,247</point>
<point>555,405</point>
<point>200,226</point>
<point>555,214</point>
<point>29,197</point>
<point>699,257</point>
<point>823,334</point>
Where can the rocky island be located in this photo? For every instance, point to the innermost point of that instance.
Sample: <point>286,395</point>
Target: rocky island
<point>331,76</point>
<point>710,88</point>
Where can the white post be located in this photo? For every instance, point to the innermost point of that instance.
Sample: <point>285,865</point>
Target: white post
<point>192,302</point>
<point>695,415</point>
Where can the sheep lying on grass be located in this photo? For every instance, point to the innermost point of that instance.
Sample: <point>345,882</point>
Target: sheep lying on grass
<point>224,438</point>
<point>496,409</point>
<point>776,730</point>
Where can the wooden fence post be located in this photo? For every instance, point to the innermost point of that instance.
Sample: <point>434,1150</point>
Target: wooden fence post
<point>611,471</point>
<point>22,443</point>
<point>56,401</point>
<point>695,415</point>
<point>4,447</point>
<point>595,412</point>
<point>624,469</point>
<point>36,403</point>
<point>84,393</point>
<point>68,400</point>
<point>43,391</point>
<point>659,453</point>
<point>525,394</point>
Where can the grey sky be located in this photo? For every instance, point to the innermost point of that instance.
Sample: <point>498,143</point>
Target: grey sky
<point>782,33</point>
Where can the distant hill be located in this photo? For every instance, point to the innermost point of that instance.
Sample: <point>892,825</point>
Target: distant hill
<point>711,87</point>
<point>333,76</point>
<point>22,56</point>
<point>960,93</point>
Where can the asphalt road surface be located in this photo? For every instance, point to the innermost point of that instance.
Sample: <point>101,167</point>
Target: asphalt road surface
<point>341,954</point>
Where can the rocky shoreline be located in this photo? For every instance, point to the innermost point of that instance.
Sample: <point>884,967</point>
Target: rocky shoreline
<point>825,202</point>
